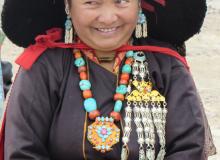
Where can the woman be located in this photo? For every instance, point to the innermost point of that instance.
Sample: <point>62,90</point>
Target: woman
<point>102,98</point>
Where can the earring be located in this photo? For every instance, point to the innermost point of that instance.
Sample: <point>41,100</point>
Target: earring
<point>141,27</point>
<point>68,27</point>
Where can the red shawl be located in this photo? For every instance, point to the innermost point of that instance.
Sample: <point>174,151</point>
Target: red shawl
<point>43,42</point>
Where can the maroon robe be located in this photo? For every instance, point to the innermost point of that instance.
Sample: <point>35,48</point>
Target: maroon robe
<point>45,116</point>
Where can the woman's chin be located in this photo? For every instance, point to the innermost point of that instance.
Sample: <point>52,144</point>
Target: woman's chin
<point>107,44</point>
<point>107,47</point>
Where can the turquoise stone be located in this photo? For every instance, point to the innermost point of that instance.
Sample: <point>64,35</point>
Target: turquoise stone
<point>107,147</point>
<point>111,119</point>
<point>68,24</point>
<point>98,147</point>
<point>142,18</point>
<point>103,132</point>
<point>84,85</point>
<point>129,54</point>
<point>122,89</point>
<point>139,56</point>
<point>79,62</point>
<point>126,68</point>
<point>118,106</point>
<point>90,104</point>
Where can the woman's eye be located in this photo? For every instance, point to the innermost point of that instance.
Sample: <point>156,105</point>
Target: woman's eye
<point>122,2</point>
<point>91,2</point>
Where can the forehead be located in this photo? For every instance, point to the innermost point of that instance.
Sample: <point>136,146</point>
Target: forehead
<point>117,1</point>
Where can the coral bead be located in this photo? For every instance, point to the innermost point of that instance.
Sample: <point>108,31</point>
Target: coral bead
<point>123,81</point>
<point>87,94</point>
<point>119,96</point>
<point>129,61</point>
<point>116,116</point>
<point>82,69</point>
<point>125,76</point>
<point>83,75</point>
<point>77,54</point>
<point>94,114</point>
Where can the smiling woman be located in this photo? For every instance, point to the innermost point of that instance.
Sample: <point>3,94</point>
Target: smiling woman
<point>103,90</point>
<point>108,24</point>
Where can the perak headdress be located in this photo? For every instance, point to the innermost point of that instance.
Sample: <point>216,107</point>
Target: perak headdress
<point>168,20</point>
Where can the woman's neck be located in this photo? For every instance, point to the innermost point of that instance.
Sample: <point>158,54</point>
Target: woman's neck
<point>101,54</point>
<point>106,59</point>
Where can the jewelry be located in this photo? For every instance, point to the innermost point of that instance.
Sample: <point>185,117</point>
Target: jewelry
<point>68,27</point>
<point>149,112</point>
<point>141,27</point>
<point>103,133</point>
<point>105,59</point>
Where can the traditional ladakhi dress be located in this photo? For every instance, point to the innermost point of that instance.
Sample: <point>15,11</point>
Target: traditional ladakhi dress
<point>45,115</point>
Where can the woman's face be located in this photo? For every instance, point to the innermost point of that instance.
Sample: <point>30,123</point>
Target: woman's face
<point>104,25</point>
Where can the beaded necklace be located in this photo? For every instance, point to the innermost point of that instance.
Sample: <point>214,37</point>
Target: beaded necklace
<point>103,133</point>
<point>149,111</point>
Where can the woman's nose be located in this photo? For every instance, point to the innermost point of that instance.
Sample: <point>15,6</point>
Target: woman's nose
<point>108,16</point>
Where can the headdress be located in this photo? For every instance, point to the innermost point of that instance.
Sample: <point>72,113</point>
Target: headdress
<point>168,20</point>
<point>174,21</point>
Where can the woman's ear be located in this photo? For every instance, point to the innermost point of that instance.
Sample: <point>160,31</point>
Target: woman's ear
<point>139,4</point>
<point>67,7</point>
<point>66,2</point>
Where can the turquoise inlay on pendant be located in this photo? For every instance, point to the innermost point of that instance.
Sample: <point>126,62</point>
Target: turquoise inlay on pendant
<point>129,54</point>
<point>139,56</point>
<point>103,132</point>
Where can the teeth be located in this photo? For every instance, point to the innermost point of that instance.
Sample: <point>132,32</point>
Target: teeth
<point>106,29</point>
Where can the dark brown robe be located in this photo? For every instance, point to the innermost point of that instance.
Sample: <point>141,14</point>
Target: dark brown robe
<point>45,116</point>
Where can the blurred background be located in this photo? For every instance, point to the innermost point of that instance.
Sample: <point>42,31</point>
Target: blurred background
<point>203,55</point>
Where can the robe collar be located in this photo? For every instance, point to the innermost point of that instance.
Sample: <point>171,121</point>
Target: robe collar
<point>54,35</point>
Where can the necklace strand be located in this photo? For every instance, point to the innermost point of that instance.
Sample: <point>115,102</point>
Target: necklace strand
<point>103,133</point>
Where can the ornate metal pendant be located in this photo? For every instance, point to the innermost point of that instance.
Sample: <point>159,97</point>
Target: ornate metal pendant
<point>103,134</point>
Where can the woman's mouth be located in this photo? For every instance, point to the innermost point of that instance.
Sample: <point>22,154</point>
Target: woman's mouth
<point>107,30</point>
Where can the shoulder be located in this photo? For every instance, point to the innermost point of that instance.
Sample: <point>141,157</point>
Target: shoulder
<point>163,58</point>
<point>52,60</point>
<point>50,66</point>
<point>161,65</point>
<point>54,57</point>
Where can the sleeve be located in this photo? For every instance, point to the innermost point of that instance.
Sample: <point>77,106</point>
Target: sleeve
<point>185,134</point>
<point>29,114</point>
